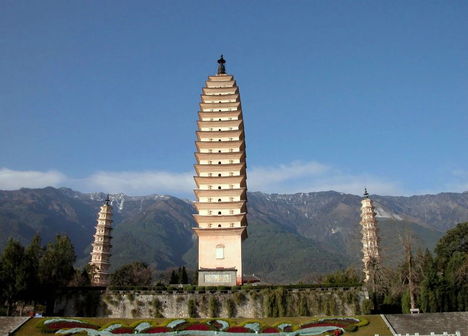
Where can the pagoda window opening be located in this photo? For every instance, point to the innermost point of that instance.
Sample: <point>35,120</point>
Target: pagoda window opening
<point>219,225</point>
<point>219,187</point>
<point>219,119</point>
<point>219,151</point>
<point>219,162</point>
<point>219,129</point>
<point>219,139</point>
<point>219,212</point>
<point>219,199</point>
<point>219,174</point>
<point>219,250</point>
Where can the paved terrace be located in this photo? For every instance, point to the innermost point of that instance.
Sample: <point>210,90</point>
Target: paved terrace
<point>426,323</point>
<point>8,324</point>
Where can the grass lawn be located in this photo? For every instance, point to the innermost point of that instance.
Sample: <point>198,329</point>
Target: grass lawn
<point>376,324</point>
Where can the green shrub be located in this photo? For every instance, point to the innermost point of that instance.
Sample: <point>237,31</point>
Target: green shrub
<point>157,307</point>
<point>135,313</point>
<point>130,297</point>
<point>362,322</point>
<point>231,307</point>
<point>351,328</point>
<point>192,308</point>
<point>367,306</point>
<point>213,306</point>
<point>239,298</point>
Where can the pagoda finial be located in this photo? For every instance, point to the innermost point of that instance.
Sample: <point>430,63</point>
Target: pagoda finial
<point>107,199</point>
<point>221,68</point>
<point>366,194</point>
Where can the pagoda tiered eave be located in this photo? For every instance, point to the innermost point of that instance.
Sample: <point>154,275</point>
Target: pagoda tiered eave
<point>221,84</point>
<point>220,205</point>
<point>220,107</point>
<point>204,180</point>
<point>221,78</point>
<point>238,124</point>
<point>239,192</point>
<point>213,168</point>
<point>238,231</point>
<point>237,134</point>
<point>238,144</point>
<point>207,219</point>
<point>213,99</point>
<point>207,116</point>
<point>220,156</point>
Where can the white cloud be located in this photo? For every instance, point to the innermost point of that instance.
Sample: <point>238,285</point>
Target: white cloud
<point>264,178</point>
<point>15,179</point>
<point>314,176</point>
<point>459,181</point>
<point>284,178</point>
<point>140,183</point>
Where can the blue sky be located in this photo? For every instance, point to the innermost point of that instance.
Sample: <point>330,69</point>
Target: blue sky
<point>103,95</point>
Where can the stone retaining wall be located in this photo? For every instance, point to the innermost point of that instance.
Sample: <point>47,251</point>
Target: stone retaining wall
<point>248,303</point>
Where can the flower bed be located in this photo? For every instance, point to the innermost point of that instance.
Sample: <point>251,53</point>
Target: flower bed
<point>312,325</point>
<point>239,330</point>
<point>156,330</point>
<point>334,326</point>
<point>203,327</point>
<point>270,330</point>
<point>218,324</point>
<point>122,330</point>
<point>54,325</point>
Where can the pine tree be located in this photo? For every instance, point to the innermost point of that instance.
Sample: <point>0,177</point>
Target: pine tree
<point>174,278</point>
<point>13,274</point>
<point>184,276</point>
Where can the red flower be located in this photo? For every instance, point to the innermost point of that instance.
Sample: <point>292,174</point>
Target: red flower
<point>239,330</point>
<point>337,332</point>
<point>197,327</point>
<point>122,330</point>
<point>68,325</point>
<point>156,330</point>
<point>270,330</point>
<point>311,325</point>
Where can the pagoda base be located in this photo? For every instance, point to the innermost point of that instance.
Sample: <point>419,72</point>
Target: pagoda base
<point>217,277</point>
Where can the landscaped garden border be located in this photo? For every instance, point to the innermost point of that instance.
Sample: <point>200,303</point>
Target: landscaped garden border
<point>221,327</point>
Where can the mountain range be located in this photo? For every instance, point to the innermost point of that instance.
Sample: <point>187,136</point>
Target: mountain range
<point>292,237</point>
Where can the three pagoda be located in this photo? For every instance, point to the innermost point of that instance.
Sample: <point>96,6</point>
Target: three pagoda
<point>100,255</point>
<point>370,238</point>
<point>221,190</point>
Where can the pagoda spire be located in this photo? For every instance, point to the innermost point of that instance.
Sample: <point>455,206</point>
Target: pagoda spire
<point>100,255</point>
<point>370,238</point>
<point>221,67</point>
